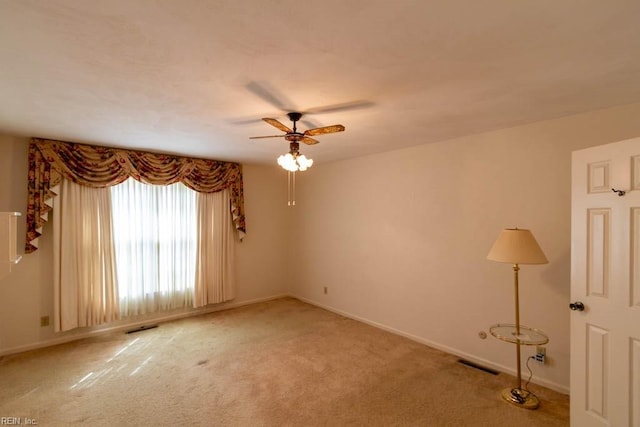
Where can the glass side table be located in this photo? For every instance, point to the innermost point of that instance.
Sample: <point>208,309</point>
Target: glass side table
<point>527,336</point>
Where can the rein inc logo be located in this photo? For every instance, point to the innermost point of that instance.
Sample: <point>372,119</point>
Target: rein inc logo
<point>18,421</point>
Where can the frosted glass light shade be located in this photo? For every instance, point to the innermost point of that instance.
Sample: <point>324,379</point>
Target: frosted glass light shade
<point>517,246</point>
<point>288,162</point>
<point>304,162</point>
<point>293,163</point>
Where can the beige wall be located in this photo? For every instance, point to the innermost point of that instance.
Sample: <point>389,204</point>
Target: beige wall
<point>400,238</point>
<point>27,293</point>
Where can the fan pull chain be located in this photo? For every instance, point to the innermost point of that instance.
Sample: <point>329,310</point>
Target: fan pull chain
<point>291,188</point>
<point>293,202</point>
<point>288,188</point>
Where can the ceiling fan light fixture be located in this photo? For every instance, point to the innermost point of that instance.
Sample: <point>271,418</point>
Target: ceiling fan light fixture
<point>294,162</point>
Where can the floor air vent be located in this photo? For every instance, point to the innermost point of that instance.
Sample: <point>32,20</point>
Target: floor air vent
<point>141,328</point>
<point>479,367</point>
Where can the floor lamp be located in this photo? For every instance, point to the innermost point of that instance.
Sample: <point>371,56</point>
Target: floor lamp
<point>516,246</point>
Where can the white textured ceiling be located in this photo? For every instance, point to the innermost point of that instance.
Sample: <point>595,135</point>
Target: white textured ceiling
<point>194,76</point>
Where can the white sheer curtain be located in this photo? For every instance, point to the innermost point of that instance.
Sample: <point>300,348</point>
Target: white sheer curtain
<point>215,275</point>
<point>155,234</point>
<point>85,286</point>
<point>135,248</point>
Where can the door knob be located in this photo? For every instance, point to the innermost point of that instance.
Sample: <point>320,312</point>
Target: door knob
<point>576,306</point>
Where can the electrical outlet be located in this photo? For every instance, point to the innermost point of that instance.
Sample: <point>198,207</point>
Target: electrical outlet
<point>541,355</point>
<point>44,321</point>
<point>326,290</point>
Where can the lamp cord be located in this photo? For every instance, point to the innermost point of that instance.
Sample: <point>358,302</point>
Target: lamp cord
<point>526,385</point>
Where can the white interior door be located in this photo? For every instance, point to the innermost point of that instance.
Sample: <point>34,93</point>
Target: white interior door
<point>605,277</point>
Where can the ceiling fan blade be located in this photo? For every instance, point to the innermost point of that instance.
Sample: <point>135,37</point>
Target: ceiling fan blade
<point>323,130</point>
<point>345,106</point>
<point>244,121</point>
<point>269,136</point>
<point>309,124</point>
<point>309,141</point>
<point>270,95</point>
<point>277,124</point>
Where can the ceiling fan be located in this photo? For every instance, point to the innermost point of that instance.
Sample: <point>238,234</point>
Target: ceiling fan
<point>293,135</point>
<point>293,161</point>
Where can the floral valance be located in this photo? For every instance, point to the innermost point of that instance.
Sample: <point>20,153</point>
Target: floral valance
<point>50,161</point>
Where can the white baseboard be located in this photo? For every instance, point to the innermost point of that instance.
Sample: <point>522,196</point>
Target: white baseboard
<point>470,357</point>
<point>135,324</point>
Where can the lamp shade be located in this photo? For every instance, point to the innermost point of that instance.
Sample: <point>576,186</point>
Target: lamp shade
<point>517,246</point>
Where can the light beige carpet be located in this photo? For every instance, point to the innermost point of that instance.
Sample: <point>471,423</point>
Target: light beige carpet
<point>279,363</point>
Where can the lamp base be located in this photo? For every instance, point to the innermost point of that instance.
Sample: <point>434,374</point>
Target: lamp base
<point>521,398</point>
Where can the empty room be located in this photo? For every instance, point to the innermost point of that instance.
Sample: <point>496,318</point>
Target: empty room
<point>266,213</point>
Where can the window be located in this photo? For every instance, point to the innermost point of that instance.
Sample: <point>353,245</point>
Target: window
<point>175,247</point>
<point>155,241</point>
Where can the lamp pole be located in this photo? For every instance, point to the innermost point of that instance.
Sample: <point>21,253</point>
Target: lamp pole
<point>515,282</point>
